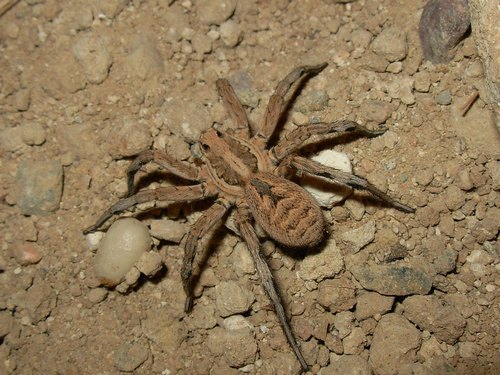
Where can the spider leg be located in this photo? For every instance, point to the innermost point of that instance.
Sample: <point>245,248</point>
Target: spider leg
<point>314,168</point>
<point>277,103</point>
<point>199,229</point>
<point>170,193</point>
<point>243,218</point>
<point>164,161</point>
<point>233,105</point>
<point>313,133</point>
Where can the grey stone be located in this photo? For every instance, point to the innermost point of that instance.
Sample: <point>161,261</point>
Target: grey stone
<point>392,280</point>
<point>129,357</point>
<point>391,44</point>
<point>214,12</point>
<point>444,98</point>
<point>360,237</point>
<point>92,52</point>
<point>39,185</point>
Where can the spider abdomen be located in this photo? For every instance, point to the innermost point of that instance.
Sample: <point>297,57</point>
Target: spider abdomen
<point>288,213</point>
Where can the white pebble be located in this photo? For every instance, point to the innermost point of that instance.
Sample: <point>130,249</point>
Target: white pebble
<point>122,246</point>
<point>325,193</point>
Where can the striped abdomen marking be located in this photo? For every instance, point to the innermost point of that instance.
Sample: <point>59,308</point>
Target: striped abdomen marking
<point>284,210</point>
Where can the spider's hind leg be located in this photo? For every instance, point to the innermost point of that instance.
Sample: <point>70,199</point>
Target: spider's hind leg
<point>343,178</point>
<point>244,218</point>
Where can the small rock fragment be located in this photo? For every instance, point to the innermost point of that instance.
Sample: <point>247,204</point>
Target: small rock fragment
<point>26,253</point>
<point>40,300</point>
<point>129,357</point>
<point>232,299</point>
<point>94,57</point>
<point>431,314</point>
<point>144,61</point>
<point>346,364</point>
<point>360,237</point>
<point>442,25</point>
<point>238,347</point>
<point>325,264</point>
<point>33,134</point>
<point>168,230</point>
<point>127,139</point>
<point>39,186</point>
<point>391,44</point>
<point>212,12</point>
<point>376,111</point>
<point>97,295</point>
<point>395,343</point>
<point>230,33</point>
<point>150,263</point>
<point>201,43</point>
<point>444,98</point>
<point>370,303</point>
<point>392,280</point>
<point>336,294</point>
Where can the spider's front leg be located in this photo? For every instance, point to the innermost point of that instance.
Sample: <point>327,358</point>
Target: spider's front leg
<point>243,219</point>
<point>313,133</point>
<point>199,229</point>
<point>343,178</point>
<point>169,194</point>
<point>164,161</point>
<point>277,103</point>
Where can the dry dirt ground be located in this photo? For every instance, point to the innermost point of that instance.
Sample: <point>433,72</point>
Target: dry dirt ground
<point>85,85</point>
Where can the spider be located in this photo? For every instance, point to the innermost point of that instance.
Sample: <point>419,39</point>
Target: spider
<point>246,172</point>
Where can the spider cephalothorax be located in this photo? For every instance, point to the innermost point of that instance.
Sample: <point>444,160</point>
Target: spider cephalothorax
<point>245,171</point>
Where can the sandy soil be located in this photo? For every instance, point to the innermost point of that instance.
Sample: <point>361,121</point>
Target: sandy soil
<point>85,86</point>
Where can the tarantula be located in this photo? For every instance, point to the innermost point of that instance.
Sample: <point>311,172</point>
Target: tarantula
<point>245,171</point>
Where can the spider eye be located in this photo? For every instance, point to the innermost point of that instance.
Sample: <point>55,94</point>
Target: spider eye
<point>205,147</point>
<point>219,134</point>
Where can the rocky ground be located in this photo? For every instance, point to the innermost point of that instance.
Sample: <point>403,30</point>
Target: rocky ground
<point>85,86</point>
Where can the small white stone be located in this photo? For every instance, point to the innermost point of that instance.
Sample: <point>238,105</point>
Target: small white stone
<point>328,194</point>
<point>124,243</point>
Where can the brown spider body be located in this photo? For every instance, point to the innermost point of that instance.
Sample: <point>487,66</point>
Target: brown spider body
<point>246,172</point>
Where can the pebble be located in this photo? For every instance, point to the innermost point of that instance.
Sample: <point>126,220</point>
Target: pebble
<point>190,122</point>
<point>394,344</point>
<point>369,304</point>
<point>431,314</point>
<point>39,185</point>
<point>336,294</point>
<point>360,237</point>
<point>215,12</point>
<point>454,197</point>
<point>401,88</point>
<point>33,134</point>
<point>232,299</point>
<point>97,295</point>
<point>26,253</point>
<point>346,364</point>
<point>354,342</point>
<point>392,280</point>
<point>128,357</point>
<point>201,43</point>
<point>22,100</point>
<point>444,98</point>
<point>39,300</point>
<point>356,208</point>
<point>238,347</point>
<point>150,263</point>
<point>11,139</point>
<point>316,100</point>
<point>127,138</point>
<point>230,33</point>
<point>376,111</point>
<point>168,230</point>
<point>93,56</point>
<point>391,44</point>
<point>144,61</point>
<point>322,265</point>
<point>422,81</point>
